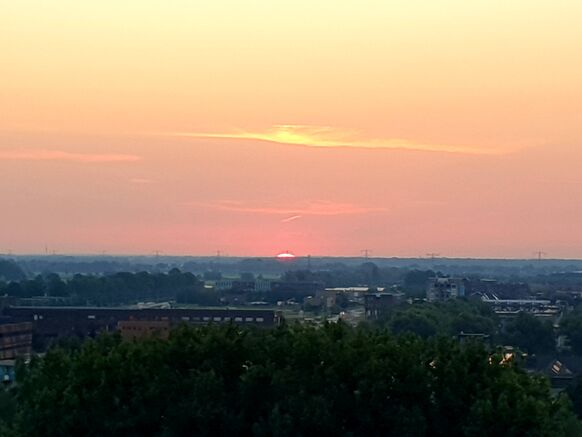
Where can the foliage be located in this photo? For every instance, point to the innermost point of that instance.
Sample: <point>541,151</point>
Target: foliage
<point>366,274</point>
<point>286,382</point>
<point>415,282</point>
<point>571,326</point>
<point>10,271</point>
<point>448,318</point>
<point>114,289</point>
<point>530,334</point>
<point>574,392</point>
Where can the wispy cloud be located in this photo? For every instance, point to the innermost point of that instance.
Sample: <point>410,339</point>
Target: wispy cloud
<point>291,219</point>
<point>325,136</point>
<point>318,208</point>
<point>59,155</point>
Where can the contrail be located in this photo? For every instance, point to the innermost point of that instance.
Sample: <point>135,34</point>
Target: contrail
<point>290,219</point>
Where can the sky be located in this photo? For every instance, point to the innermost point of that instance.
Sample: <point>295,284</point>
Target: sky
<point>319,127</point>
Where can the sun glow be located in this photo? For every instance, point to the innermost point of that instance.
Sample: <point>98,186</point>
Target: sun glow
<point>285,256</point>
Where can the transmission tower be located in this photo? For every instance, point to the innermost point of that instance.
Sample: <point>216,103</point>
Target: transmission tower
<point>540,254</point>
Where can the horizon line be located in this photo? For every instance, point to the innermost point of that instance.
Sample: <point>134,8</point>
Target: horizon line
<point>274,256</point>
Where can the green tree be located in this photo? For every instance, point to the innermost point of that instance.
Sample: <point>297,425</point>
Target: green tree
<point>571,326</point>
<point>416,282</point>
<point>295,380</point>
<point>530,334</point>
<point>10,271</point>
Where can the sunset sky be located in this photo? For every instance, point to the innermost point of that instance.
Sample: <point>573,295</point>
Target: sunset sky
<point>320,127</point>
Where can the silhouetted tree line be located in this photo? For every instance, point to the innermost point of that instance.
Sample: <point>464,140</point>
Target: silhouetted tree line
<point>114,289</point>
<point>289,381</point>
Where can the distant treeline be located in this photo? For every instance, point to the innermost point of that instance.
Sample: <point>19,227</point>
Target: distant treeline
<point>114,289</point>
<point>289,381</point>
<point>510,270</point>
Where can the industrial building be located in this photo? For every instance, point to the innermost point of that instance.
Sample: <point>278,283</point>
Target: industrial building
<point>51,323</point>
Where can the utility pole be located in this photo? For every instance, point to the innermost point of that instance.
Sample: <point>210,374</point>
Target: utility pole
<point>540,254</point>
<point>366,253</point>
<point>433,255</point>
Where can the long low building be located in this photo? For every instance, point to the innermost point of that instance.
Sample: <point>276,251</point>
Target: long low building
<point>15,340</point>
<point>51,323</point>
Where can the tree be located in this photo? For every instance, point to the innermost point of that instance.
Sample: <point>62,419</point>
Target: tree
<point>530,334</point>
<point>420,323</point>
<point>416,281</point>
<point>571,326</point>
<point>296,380</point>
<point>10,271</point>
<point>55,286</point>
<point>449,318</point>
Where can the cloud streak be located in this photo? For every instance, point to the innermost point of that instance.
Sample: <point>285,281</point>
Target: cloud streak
<point>59,155</point>
<point>328,137</point>
<point>319,208</point>
<point>291,219</point>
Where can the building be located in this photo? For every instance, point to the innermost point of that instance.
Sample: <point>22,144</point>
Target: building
<point>443,289</point>
<point>465,337</point>
<point>501,290</point>
<point>262,285</point>
<point>377,305</point>
<point>241,286</point>
<point>138,329</point>
<point>560,370</point>
<point>7,371</point>
<point>51,323</point>
<point>15,340</point>
<point>508,308</point>
<point>295,289</point>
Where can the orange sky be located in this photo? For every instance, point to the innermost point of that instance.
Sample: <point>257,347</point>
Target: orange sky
<point>320,127</point>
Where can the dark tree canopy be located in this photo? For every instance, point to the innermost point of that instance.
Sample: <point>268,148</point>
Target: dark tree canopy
<point>116,288</point>
<point>530,334</point>
<point>447,318</point>
<point>571,326</point>
<point>288,381</point>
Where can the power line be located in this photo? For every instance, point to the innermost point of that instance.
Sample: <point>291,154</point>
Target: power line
<point>540,254</point>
